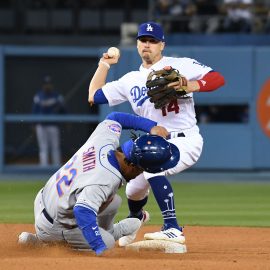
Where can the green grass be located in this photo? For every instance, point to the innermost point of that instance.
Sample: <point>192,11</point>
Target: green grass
<point>228,204</point>
<point>17,201</point>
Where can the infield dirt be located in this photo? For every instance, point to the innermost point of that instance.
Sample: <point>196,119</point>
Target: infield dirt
<point>208,248</point>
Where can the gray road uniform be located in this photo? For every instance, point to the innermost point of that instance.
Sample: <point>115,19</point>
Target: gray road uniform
<point>88,179</point>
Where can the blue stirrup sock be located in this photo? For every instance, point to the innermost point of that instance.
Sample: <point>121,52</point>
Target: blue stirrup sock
<point>135,208</point>
<point>163,193</point>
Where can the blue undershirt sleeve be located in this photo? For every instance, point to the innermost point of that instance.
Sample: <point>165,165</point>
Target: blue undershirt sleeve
<point>87,222</point>
<point>99,97</point>
<point>130,121</point>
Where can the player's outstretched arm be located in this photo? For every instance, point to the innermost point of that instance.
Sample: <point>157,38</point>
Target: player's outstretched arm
<point>131,121</point>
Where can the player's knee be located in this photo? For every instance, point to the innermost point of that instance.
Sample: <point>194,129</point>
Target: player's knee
<point>136,194</point>
<point>111,207</point>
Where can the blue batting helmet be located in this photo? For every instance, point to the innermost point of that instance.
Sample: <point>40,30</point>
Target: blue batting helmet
<point>152,153</point>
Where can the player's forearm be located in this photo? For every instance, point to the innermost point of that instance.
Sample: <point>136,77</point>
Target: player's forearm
<point>192,86</point>
<point>98,80</point>
<point>209,82</point>
<point>130,121</point>
<point>86,221</point>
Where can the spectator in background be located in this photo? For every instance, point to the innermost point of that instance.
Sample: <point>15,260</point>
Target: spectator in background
<point>177,13</point>
<point>239,16</point>
<point>205,17</point>
<point>266,12</point>
<point>162,8</point>
<point>267,24</point>
<point>36,4</point>
<point>48,102</point>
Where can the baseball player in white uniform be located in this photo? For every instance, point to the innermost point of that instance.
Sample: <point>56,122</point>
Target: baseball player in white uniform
<point>178,117</point>
<point>78,204</point>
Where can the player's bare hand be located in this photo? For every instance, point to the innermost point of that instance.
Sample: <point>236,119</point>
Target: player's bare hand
<point>111,56</point>
<point>159,130</point>
<point>179,84</point>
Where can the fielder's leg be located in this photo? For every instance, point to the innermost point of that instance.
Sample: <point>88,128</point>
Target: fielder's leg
<point>164,196</point>
<point>190,148</point>
<point>137,191</point>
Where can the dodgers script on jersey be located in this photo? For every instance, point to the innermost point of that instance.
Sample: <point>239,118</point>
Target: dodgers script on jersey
<point>89,167</point>
<point>179,114</point>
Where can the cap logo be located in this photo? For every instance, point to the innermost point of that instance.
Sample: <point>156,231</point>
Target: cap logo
<point>149,28</point>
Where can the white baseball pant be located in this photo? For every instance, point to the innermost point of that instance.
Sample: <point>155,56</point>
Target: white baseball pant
<point>190,148</point>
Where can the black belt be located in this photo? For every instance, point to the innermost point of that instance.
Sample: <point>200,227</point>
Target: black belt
<point>181,134</point>
<point>47,216</point>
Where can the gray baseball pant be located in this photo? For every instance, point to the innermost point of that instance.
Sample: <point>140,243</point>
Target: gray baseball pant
<point>55,232</point>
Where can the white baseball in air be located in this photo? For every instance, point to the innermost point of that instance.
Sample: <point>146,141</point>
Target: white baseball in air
<point>113,52</point>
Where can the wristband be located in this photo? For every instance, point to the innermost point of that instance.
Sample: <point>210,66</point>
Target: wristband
<point>104,63</point>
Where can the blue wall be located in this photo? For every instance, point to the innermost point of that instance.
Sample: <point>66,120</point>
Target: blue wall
<point>227,146</point>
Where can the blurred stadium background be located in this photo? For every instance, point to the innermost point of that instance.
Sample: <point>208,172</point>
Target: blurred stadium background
<point>64,39</point>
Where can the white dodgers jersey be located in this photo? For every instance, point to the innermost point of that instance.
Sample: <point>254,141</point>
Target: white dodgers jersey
<point>178,115</point>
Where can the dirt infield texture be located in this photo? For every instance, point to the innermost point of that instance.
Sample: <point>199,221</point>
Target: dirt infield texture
<point>208,248</point>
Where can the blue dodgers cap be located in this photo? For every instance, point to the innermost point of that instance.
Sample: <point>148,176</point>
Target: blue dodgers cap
<point>151,29</point>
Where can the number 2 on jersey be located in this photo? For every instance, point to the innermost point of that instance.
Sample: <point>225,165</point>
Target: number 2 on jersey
<point>67,178</point>
<point>171,107</point>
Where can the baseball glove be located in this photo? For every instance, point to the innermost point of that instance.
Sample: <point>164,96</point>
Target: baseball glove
<point>159,91</point>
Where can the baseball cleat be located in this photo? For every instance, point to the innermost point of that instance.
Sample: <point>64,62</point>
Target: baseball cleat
<point>26,238</point>
<point>172,234</point>
<point>128,239</point>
